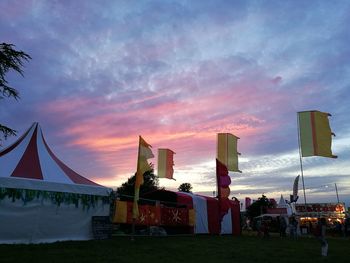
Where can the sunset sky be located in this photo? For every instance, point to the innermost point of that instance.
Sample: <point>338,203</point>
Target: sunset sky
<point>178,72</point>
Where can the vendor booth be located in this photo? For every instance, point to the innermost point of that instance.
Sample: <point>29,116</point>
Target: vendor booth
<point>309,214</point>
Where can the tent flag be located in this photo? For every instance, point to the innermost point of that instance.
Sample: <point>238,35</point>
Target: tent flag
<point>315,134</point>
<point>223,179</point>
<point>227,151</point>
<point>165,163</point>
<point>143,166</point>
<point>295,189</point>
<point>223,182</point>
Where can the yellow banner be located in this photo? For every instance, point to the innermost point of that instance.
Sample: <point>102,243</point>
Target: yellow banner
<point>315,134</point>
<point>227,151</point>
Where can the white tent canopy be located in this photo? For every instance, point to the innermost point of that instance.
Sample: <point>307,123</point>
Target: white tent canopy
<point>283,204</point>
<point>29,164</point>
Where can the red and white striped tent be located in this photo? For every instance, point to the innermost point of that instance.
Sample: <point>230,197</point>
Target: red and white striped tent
<point>207,214</point>
<point>29,165</point>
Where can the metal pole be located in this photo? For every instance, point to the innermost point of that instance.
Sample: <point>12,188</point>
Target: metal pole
<point>136,201</point>
<point>301,162</point>
<point>336,191</point>
<point>133,230</point>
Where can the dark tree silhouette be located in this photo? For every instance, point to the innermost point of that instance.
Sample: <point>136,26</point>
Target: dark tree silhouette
<point>9,59</point>
<point>259,207</point>
<point>150,183</point>
<point>185,187</point>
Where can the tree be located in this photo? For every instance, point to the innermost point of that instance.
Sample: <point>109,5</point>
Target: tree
<point>150,183</point>
<point>9,59</point>
<point>185,187</point>
<point>259,207</point>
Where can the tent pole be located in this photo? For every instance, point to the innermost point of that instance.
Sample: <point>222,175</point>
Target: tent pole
<point>336,191</point>
<point>301,161</point>
<point>133,230</point>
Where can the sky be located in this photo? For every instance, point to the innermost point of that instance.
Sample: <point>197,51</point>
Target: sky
<point>179,72</point>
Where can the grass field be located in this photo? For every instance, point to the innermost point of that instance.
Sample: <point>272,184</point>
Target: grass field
<point>184,249</point>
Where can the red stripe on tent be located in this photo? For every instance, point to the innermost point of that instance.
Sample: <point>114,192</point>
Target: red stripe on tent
<point>29,165</point>
<point>236,218</point>
<point>184,199</point>
<point>75,177</point>
<point>14,145</point>
<point>314,136</point>
<point>213,215</point>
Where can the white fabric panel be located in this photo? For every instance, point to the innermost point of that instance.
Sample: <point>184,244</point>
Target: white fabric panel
<point>49,168</point>
<point>38,222</point>
<point>226,223</point>
<point>33,184</point>
<point>201,211</point>
<point>9,161</point>
<point>282,204</point>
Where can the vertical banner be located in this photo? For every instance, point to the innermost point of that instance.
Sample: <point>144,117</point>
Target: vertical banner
<point>223,180</point>
<point>227,160</point>
<point>223,183</point>
<point>143,166</point>
<point>315,134</point>
<point>295,189</point>
<point>227,152</point>
<point>165,163</point>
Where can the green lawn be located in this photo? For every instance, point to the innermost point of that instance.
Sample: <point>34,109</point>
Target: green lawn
<point>184,249</point>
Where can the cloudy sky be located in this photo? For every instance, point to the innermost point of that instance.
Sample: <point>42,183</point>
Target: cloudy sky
<point>178,72</point>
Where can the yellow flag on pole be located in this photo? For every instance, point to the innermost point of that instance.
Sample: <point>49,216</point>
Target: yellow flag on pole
<point>227,151</point>
<point>143,166</point>
<point>315,134</point>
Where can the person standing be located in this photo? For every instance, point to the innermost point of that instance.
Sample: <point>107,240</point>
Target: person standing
<point>293,227</point>
<point>282,226</point>
<point>320,233</point>
<point>266,228</point>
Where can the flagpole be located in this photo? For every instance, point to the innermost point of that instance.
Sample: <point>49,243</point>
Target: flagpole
<point>218,191</point>
<point>301,162</point>
<point>133,216</point>
<point>217,176</point>
<point>336,191</point>
<point>226,144</point>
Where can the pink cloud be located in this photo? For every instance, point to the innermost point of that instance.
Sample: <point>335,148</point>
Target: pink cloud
<point>113,137</point>
<point>183,113</point>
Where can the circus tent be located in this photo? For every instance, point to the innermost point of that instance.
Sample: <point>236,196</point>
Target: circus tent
<point>41,198</point>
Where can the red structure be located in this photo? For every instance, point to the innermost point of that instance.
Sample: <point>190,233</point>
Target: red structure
<point>180,212</point>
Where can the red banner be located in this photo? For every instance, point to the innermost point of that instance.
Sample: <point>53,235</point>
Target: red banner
<point>174,216</point>
<point>148,215</point>
<point>151,215</point>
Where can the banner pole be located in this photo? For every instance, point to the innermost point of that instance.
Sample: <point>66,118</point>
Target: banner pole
<point>135,203</point>
<point>301,161</point>
<point>336,191</point>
